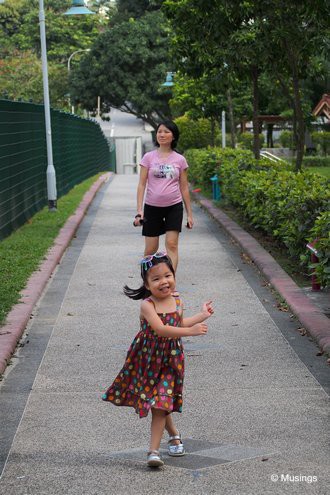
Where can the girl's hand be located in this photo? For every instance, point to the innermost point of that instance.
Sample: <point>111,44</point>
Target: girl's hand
<point>190,222</point>
<point>207,309</point>
<point>199,329</point>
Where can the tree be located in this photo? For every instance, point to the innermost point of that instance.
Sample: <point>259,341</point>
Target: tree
<point>21,74</point>
<point>215,37</point>
<point>126,67</point>
<point>298,35</point>
<point>254,37</point>
<point>207,96</point>
<point>127,9</point>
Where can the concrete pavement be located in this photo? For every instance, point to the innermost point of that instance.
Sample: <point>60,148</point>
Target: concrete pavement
<point>252,409</point>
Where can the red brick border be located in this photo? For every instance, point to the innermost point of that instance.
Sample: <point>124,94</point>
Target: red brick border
<point>19,316</point>
<point>310,316</point>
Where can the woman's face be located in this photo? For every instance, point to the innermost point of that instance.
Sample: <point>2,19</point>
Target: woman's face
<point>164,135</point>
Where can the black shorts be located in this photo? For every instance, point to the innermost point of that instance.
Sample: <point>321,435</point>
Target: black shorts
<point>160,219</point>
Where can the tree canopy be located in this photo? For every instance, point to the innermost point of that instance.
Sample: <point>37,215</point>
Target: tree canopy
<point>126,67</point>
<point>254,40</point>
<point>20,47</point>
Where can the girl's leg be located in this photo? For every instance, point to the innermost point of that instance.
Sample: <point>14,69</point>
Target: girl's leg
<point>172,244</point>
<point>151,245</point>
<point>171,429</point>
<point>157,428</point>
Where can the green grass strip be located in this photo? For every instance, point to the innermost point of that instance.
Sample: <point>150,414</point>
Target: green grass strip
<point>325,171</point>
<point>22,252</point>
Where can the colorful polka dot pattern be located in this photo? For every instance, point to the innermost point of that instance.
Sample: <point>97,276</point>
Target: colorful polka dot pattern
<point>152,375</point>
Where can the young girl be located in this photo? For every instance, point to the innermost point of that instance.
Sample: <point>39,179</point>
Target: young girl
<point>152,376</point>
<point>163,175</point>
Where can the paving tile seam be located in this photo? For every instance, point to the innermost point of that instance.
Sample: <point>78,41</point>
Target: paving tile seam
<point>221,461</point>
<point>19,317</point>
<point>309,315</point>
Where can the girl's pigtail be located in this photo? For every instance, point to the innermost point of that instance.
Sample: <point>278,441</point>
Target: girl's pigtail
<point>140,293</point>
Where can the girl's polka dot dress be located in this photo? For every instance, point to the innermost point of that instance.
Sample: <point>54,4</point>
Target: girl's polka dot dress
<point>152,375</point>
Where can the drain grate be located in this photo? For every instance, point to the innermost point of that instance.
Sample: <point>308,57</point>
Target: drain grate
<point>199,454</point>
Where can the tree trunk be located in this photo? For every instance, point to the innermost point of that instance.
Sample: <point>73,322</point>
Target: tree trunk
<point>212,132</point>
<point>300,122</point>
<point>270,143</point>
<point>256,141</point>
<point>231,119</point>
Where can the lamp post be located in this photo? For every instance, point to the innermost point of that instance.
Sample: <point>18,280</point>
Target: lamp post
<point>69,68</point>
<point>169,80</point>
<point>78,7</point>
<point>50,174</point>
<point>223,128</point>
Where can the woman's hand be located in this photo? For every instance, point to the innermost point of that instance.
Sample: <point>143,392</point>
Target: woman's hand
<point>207,309</point>
<point>138,220</point>
<point>190,222</point>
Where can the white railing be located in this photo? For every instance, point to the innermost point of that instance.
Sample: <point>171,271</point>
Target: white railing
<point>270,156</point>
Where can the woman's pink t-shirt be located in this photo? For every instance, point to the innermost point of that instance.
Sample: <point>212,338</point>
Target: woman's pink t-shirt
<point>163,186</point>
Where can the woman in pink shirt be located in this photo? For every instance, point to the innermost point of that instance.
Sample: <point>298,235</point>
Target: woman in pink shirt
<point>163,176</point>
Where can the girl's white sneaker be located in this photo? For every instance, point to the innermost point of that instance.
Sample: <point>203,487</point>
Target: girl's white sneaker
<point>175,450</point>
<point>154,459</point>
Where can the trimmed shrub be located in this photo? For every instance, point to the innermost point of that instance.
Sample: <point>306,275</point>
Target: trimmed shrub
<point>275,199</point>
<point>322,140</point>
<point>194,133</point>
<point>321,232</point>
<point>286,139</point>
<point>245,140</point>
<point>316,161</point>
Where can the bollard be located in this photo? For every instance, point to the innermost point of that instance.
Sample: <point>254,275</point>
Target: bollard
<point>216,194</point>
<point>316,286</point>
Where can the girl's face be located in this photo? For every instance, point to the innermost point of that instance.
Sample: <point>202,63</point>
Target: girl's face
<point>160,281</point>
<point>164,135</point>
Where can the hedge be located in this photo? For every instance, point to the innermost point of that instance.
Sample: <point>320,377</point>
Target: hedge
<point>245,140</point>
<point>275,199</point>
<point>316,161</point>
<point>322,140</point>
<point>286,139</point>
<point>195,133</point>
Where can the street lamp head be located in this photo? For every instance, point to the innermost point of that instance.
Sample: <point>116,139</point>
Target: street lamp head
<point>169,80</point>
<point>78,8</point>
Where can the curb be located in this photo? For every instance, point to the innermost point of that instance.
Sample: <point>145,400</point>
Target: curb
<point>20,314</point>
<point>310,316</point>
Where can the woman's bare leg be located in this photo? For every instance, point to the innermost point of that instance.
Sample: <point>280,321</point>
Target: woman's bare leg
<point>172,245</point>
<point>151,245</point>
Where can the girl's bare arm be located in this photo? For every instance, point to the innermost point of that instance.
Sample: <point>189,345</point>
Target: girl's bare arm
<point>149,313</point>
<point>207,311</point>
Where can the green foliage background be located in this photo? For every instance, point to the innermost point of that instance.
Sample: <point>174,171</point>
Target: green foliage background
<point>292,207</point>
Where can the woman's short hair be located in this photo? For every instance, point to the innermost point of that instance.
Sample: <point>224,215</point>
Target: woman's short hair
<point>174,130</point>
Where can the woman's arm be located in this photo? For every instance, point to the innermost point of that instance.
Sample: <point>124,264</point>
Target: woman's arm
<point>140,193</point>
<point>184,188</point>
<point>149,313</point>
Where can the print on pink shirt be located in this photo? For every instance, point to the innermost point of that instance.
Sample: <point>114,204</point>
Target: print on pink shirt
<point>165,171</point>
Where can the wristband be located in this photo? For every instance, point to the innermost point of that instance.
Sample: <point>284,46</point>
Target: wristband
<point>138,216</point>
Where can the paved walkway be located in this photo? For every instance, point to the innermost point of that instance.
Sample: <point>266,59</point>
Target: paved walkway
<point>255,419</point>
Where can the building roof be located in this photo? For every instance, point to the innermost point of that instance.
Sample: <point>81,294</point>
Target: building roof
<point>323,107</point>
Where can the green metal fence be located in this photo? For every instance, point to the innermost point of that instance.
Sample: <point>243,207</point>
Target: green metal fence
<point>80,150</point>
